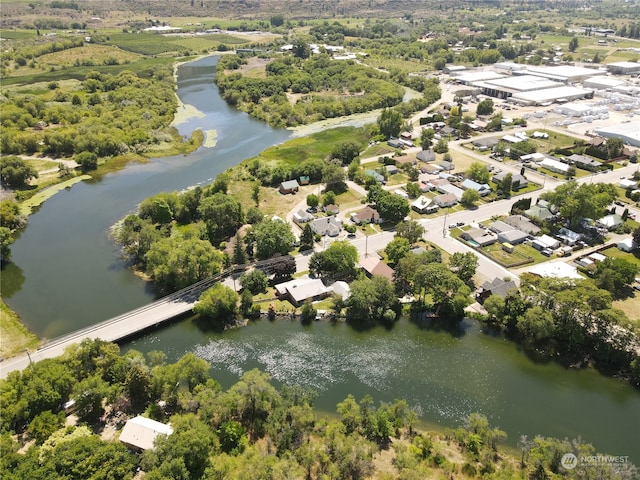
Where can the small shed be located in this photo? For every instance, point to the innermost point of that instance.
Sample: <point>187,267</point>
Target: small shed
<point>507,247</point>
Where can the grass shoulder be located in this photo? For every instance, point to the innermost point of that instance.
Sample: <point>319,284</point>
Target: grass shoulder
<point>14,336</point>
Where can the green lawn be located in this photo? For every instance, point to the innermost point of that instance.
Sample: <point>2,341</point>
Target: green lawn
<point>615,252</point>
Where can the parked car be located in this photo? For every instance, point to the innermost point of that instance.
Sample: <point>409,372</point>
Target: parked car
<point>460,224</point>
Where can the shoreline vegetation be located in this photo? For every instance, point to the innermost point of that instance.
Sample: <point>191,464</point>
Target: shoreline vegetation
<point>252,426</point>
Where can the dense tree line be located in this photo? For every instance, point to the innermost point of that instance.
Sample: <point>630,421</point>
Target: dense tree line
<point>108,115</point>
<point>328,88</point>
<point>571,318</point>
<point>250,430</point>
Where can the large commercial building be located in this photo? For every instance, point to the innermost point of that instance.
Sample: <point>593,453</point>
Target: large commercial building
<point>624,68</point>
<point>628,132</point>
<point>564,73</point>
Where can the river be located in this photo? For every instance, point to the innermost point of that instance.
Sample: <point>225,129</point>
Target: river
<point>68,274</point>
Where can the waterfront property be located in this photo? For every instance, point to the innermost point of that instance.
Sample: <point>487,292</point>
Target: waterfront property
<point>140,433</point>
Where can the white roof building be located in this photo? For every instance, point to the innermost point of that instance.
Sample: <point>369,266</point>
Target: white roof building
<point>300,289</point>
<point>628,132</point>
<point>538,97</point>
<point>564,73</point>
<point>140,433</point>
<point>555,270</point>
<point>554,165</point>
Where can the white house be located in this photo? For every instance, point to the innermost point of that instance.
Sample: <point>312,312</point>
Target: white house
<point>554,165</point>
<point>424,205</point>
<point>627,245</point>
<point>140,433</point>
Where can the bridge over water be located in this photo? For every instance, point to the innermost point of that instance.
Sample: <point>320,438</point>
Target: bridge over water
<point>131,323</point>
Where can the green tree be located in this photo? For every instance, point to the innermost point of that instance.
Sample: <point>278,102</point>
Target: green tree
<point>442,146</point>
<point>464,265</point>
<point>301,49</point>
<point>239,251</point>
<point>44,424</point>
<point>411,230</point>
<point>312,200</point>
<point>537,325</point>
<point>478,172</point>
<point>469,198</point>
<point>573,44</point>
<point>333,176</point>
<point>175,263</point>
<point>15,172</point>
<point>485,107</point>
<point>397,248</point>
<point>88,395</point>
<point>222,215</point>
<point>426,137</point>
<point>306,238</point>
<point>272,237</point>
<point>338,261</point>
<point>346,152</point>
<point>6,239</point>
<point>87,161</point>
<point>255,281</point>
<point>614,274</point>
<point>576,201</point>
<point>218,303</point>
<point>390,122</point>
<point>447,291</point>
<point>255,193</point>
<point>504,187</point>
<point>392,207</point>
<point>307,313</point>
<point>372,300</point>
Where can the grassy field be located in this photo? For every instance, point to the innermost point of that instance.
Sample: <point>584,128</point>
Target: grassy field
<point>14,336</point>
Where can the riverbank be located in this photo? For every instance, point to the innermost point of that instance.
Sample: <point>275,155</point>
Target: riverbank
<point>15,337</point>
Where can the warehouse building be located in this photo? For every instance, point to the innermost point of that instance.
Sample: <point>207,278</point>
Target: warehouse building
<point>628,132</point>
<point>624,68</point>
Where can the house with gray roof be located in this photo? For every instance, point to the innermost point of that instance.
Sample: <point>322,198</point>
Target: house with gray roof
<point>366,215</point>
<point>426,156</point>
<point>331,226</point>
<point>300,289</point>
<point>479,236</point>
<point>446,200</point>
<point>375,175</point>
<point>514,237</point>
<point>517,180</point>
<point>482,188</point>
<point>290,186</point>
<point>522,223</point>
<point>498,286</point>
<point>585,163</point>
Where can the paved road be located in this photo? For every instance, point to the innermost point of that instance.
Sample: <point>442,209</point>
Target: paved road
<point>112,330</point>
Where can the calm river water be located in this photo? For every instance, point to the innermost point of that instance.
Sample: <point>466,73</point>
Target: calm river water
<point>67,274</point>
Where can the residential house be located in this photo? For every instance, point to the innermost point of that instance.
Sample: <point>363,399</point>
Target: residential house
<point>514,237</point>
<point>540,211</point>
<point>479,236</point>
<point>517,180</point>
<point>140,433</point>
<point>374,266</point>
<point>611,221</point>
<point>585,163</point>
<point>331,226</point>
<point>446,200</point>
<point>500,227</point>
<point>375,175</point>
<point>426,156</point>
<point>627,245</point>
<point>555,166</point>
<point>452,189</point>
<point>522,223</point>
<point>482,188</point>
<point>488,142</point>
<point>447,166</point>
<point>424,205</point>
<point>302,217</point>
<point>627,183</point>
<point>405,160</point>
<point>425,187</point>
<point>391,169</point>
<point>498,286</point>
<point>290,186</point>
<point>544,242</point>
<point>436,183</point>
<point>395,143</point>
<point>569,237</point>
<point>300,289</point>
<point>331,209</point>
<point>366,215</point>
<point>304,180</point>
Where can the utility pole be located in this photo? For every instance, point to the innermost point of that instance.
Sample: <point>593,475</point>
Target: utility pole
<point>28,355</point>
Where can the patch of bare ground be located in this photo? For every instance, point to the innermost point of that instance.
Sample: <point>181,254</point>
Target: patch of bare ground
<point>255,67</point>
